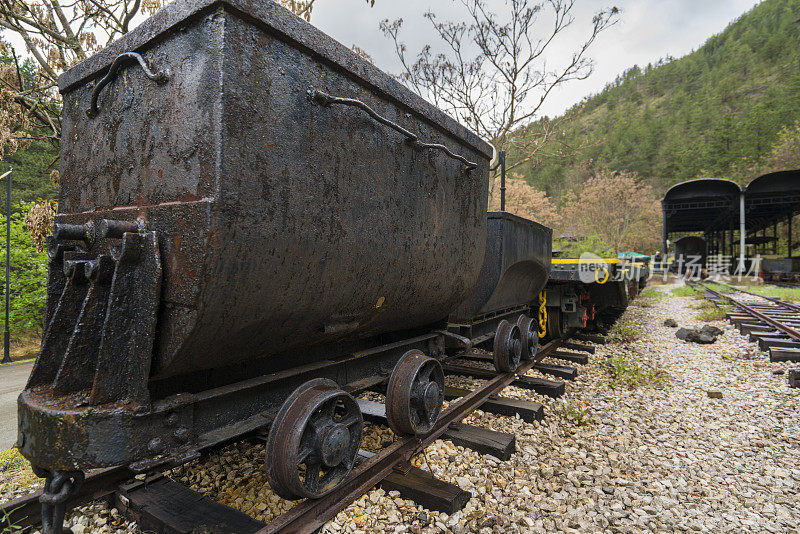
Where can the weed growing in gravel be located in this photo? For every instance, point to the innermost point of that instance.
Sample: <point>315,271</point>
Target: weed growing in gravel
<point>652,294</point>
<point>644,303</point>
<point>14,467</point>
<point>574,412</point>
<point>711,312</point>
<point>625,333</point>
<point>629,372</point>
<point>750,354</point>
<point>648,298</point>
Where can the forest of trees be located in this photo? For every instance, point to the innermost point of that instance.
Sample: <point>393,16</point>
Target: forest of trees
<point>717,112</point>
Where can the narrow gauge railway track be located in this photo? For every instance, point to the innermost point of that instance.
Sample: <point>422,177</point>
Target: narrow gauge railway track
<point>773,323</point>
<point>312,514</point>
<point>776,300</point>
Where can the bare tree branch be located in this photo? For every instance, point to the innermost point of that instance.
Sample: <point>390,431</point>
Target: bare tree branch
<point>493,75</point>
<point>60,33</point>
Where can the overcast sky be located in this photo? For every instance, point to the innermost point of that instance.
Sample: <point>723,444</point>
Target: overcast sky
<point>647,31</point>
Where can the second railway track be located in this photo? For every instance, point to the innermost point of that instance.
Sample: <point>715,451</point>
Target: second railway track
<point>772,322</point>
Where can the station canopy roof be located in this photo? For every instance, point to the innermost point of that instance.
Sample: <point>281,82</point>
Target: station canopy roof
<point>772,198</point>
<point>701,205</point>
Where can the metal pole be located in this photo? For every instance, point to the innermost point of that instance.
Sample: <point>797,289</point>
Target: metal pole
<point>789,226</point>
<point>502,180</point>
<point>775,236</point>
<point>6,333</point>
<point>741,234</point>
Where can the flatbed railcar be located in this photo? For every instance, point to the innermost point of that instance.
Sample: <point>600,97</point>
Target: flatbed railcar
<point>591,292</point>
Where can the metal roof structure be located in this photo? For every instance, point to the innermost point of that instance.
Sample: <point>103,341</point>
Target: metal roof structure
<point>772,198</point>
<point>701,205</point>
<point>719,208</point>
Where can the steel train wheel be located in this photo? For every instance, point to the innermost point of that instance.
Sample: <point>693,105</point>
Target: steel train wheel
<point>313,441</point>
<point>555,324</point>
<point>529,334</point>
<point>507,347</point>
<point>415,395</point>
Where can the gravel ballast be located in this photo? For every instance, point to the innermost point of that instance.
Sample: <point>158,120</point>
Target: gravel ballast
<point>663,456</point>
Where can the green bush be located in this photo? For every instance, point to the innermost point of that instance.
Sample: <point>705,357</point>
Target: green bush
<point>28,277</point>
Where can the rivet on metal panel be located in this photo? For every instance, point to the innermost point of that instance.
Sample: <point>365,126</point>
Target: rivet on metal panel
<point>155,445</point>
<point>182,434</point>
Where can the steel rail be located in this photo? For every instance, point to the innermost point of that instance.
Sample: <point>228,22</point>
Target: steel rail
<point>310,515</point>
<point>791,332</point>
<point>25,510</point>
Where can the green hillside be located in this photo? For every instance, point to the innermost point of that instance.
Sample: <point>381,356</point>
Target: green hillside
<point>715,112</point>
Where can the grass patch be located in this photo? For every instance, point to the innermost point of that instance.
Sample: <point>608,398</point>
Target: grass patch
<point>574,412</point>
<point>625,333</point>
<point>791,294</point>
<point>629,373</point>
<point>648,298</point>
<point>711,312</point>
<point>652,294</point>
<point>14,466</point>
<point>684,291</point>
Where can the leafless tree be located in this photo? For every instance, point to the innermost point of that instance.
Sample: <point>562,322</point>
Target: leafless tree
<point>60,33</point>
<point>493,74</point>
<point>57,34</point>
<point>303,8</point>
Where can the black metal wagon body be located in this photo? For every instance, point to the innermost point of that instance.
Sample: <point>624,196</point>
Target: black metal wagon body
<point>514,271</point>
<point>244,206</point>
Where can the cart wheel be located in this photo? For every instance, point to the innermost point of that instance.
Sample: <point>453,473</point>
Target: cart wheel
<point>529,335</point>
<point>415,394</point>
<point>314,440</point>
<point>507,347</point>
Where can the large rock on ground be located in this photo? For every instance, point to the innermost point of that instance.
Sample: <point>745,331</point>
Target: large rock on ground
<point>706,335</point>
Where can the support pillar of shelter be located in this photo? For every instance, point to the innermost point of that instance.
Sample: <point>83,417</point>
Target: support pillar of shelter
<point>742,233</point>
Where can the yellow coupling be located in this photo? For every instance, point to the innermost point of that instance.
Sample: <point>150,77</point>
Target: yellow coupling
<point>543,314</point>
